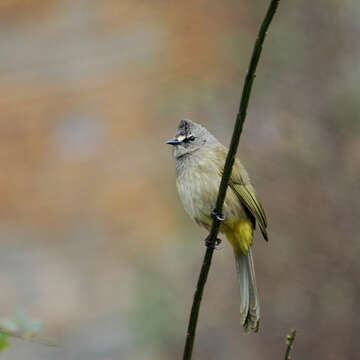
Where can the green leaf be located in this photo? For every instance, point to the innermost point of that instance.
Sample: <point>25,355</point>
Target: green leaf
<point>3,341</point>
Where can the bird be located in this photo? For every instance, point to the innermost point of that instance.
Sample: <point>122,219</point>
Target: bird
<point>199,163</point>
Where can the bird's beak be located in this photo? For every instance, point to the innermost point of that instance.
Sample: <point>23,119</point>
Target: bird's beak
<point>173,142</point>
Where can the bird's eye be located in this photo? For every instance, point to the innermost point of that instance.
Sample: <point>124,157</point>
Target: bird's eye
<point>192,138</point>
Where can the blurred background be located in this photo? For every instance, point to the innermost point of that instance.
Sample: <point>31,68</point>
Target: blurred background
<point>94,241</point>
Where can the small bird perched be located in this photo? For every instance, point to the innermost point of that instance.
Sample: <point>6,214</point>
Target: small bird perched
<point>200,160</point>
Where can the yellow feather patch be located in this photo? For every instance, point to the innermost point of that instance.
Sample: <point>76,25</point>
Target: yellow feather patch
<point>239,234</point>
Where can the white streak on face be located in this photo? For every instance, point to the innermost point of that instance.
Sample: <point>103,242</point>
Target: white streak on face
<point>180,138</point>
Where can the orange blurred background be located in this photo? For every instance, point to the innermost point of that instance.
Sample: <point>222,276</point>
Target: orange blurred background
<point>94,241</point>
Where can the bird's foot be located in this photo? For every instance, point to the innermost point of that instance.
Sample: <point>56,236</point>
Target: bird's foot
<point>210,244</point>
<point>217,216</point>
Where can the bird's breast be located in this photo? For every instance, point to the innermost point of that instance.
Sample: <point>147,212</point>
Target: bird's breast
<point>198,181</point>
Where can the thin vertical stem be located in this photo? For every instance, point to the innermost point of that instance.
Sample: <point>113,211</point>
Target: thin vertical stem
<point>244,101</point>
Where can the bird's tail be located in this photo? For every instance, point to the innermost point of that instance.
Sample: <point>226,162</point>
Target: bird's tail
<point>249,303</point>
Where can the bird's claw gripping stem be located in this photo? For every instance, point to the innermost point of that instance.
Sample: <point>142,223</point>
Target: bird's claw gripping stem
<point>212,245</point>
<point>217,216</point>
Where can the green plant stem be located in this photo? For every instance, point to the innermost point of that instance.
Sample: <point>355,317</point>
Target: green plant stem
<point>289,342</point>
<point>240,118</point>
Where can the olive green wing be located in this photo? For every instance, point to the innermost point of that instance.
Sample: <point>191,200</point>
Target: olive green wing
<point>248,198</point>
<point>240,184</point>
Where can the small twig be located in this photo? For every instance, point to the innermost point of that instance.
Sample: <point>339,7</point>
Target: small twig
<point>290,338</point>
<point>240,118</point>
<point>28,337</point>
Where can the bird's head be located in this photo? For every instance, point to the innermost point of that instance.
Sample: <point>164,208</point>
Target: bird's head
<point>189,137</point>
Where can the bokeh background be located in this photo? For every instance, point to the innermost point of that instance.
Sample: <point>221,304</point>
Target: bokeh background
<point>94,242</point>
